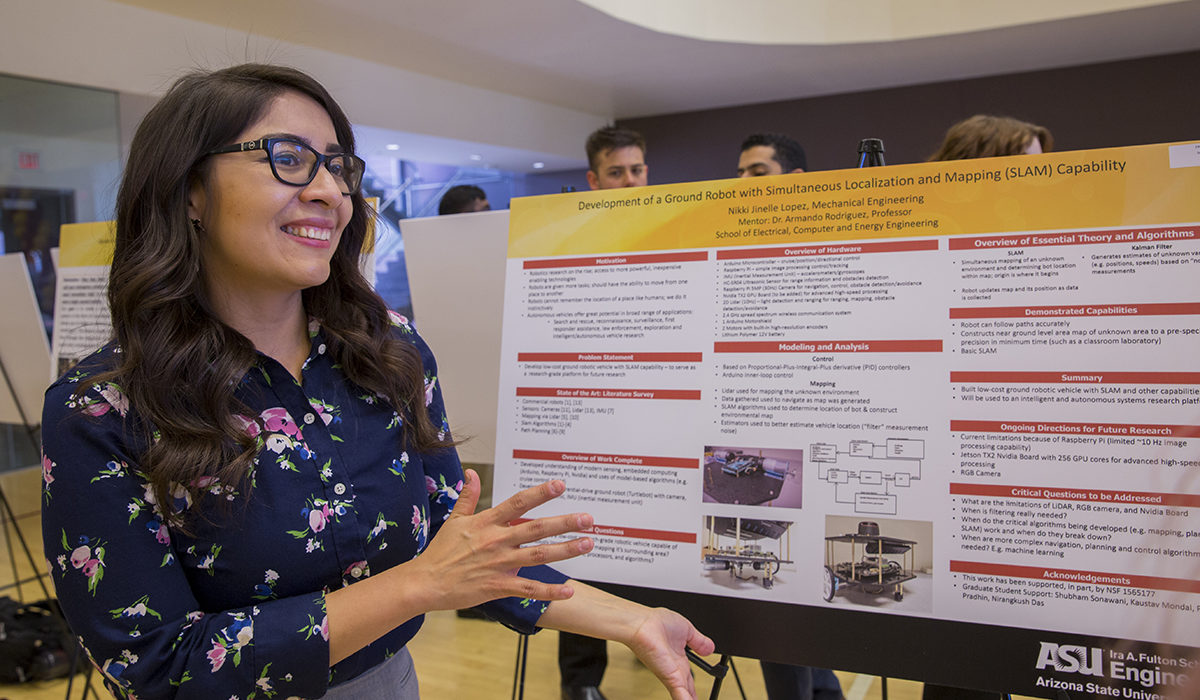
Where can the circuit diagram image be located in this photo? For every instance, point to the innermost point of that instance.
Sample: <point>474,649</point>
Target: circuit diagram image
<point>868,475</point>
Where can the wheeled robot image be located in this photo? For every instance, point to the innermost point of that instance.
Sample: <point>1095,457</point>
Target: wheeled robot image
<point>745,559</point>
<point>876,563</point>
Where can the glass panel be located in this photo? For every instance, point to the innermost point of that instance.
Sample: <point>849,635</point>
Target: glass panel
<point>59,163</point>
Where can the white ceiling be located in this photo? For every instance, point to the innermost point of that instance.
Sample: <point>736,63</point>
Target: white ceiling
<point>568,53</point>
<point>515,82</point>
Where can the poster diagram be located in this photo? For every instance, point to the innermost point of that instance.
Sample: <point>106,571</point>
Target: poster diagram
<point>868,475</point>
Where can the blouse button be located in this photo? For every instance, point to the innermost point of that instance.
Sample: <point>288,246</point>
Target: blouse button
<point>321,349</point>
<point>356,572</point>
<point>339,489</point>
<point>309,418</point>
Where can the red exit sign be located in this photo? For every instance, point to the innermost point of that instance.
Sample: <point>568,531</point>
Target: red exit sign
<point>28,160</point>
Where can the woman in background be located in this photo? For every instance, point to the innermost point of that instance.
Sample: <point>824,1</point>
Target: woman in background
<point>986,136</point>
<point>237,488</point>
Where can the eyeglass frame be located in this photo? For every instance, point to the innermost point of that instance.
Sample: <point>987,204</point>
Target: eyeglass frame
<point>268,143</point>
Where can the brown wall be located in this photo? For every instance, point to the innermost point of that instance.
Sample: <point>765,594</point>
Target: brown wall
<point>1149,100</point>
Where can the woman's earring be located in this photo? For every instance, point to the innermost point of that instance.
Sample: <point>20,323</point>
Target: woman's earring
<point>197,226</point>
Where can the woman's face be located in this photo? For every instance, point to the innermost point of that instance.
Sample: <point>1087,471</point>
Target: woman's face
<point>261,236</point>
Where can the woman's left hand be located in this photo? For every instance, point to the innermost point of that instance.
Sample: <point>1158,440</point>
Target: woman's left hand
<point>660,642</point>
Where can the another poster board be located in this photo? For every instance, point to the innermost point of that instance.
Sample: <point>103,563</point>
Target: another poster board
<point>456,277</point>
<point>24,352</point>
<point>935,421</point>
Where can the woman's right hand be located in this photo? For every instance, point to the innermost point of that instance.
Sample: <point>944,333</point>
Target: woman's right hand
<point>474,557</point>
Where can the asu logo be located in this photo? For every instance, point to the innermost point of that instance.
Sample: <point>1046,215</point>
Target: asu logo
<point>1070,658</point>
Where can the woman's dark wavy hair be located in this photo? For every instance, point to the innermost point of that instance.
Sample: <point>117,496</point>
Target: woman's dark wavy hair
<point>179,364</point>
<point>987,136</point>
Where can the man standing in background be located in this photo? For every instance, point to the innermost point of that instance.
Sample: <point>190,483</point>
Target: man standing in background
<point>775,154</point>
<point>616,158</point>
<point>770,154</point>
<point>463,199</point>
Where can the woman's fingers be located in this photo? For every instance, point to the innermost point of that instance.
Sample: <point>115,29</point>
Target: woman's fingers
<point>550,553</point>
<point>700,643</point>
<point>521,502</point>
<point>541,528</point>
<point>468,498</point>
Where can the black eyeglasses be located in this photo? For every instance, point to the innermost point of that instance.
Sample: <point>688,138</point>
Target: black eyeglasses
<point>295,162</point>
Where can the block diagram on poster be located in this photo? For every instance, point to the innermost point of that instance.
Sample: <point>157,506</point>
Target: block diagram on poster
<point>869,475</point>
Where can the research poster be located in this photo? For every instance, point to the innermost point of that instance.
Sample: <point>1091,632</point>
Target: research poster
<point>962,392</point>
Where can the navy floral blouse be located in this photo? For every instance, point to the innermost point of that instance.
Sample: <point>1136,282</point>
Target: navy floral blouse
<point>237,610</point>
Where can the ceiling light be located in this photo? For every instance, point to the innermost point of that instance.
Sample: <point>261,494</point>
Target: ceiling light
<point>393,146</point>
<point>475,156</point>
<point>539,165</point>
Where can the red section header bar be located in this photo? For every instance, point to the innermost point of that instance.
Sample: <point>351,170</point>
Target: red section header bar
<point>1167,309</point>
<point>642,534</point>
<point>829,346</point>
<point>1072,576</point>
<point>632,532</point>
<point>610,357</point>
<point>1097,429</point>
<point>1052,493</point>
<point>1124,235</point>
<point>807,251</point>
<point>687,394</point>
<point>610,260</point>
<point>590,458</point>
<point>1079,377</point>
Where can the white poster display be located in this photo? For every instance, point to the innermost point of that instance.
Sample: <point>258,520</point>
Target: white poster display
<point>950,391</point>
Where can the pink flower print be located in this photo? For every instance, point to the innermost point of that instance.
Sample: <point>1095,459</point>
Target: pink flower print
<point>115,397</point>
<point>430,383</point>
<point>216,656</point>
<point>277,420</point>
<point>416,518</point>
<point>430,484</point>
<point>209,483</point>
<point>316,519</point>
<point>320,407</point>
<point>96,408</point>
<point>90,566</point>
<point>162,535</point>
<point>80,556</point>
<point>248,425</point>
<point>47,466</point>
<point>397,318</point>
<point>324,628</point>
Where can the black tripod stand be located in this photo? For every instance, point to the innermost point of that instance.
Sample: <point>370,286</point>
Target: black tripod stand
<point>9,519</point>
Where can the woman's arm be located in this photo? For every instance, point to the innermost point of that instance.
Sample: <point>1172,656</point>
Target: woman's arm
<point>475,557</point>
<point>658,636</point>
<point>472,559</point>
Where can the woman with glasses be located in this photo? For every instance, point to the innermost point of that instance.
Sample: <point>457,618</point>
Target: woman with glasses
<point>237,487</point>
